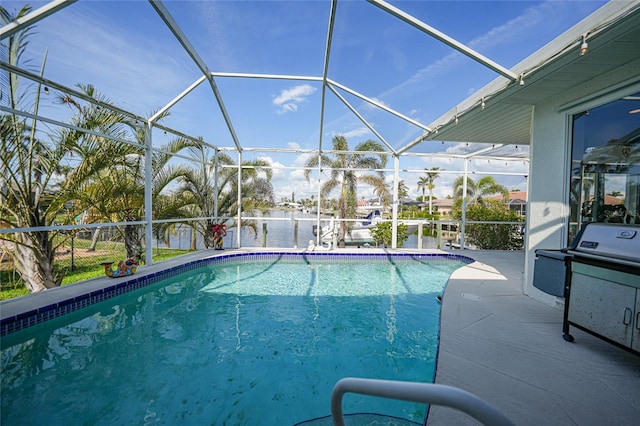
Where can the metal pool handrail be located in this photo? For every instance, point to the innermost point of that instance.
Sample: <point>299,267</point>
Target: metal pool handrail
<point>427,393</point>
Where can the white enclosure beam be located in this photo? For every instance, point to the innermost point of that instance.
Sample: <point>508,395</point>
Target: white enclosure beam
<point>65,125</point>
<point>175,100</point>
<point>396,201</point>
<point>184,135</point>
<point>482,151</point>
<point>148,195</point>
<point>379,105</point>
<point>239,203</point>
<point>266,76</point>
<point>325,71</point>
<point>465,50</point>
<point>364,121</point>
<point>464,204</point>
<point>216,189</point>
<point>33,17</point>
<point>327,51</point>
<point>164,14</point>
<point>413,143</point>
<point>69,91</point>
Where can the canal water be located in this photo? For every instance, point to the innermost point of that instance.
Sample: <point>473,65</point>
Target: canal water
<point>277,229</point>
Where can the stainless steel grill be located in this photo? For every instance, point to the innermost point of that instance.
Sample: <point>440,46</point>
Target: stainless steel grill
<point>599,277</point>
<point>607,242</point>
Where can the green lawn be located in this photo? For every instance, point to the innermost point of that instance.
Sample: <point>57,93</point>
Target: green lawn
<point>86,265</point>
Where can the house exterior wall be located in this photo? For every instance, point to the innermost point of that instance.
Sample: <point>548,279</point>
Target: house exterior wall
<point>549,168</point>
<point>548,207</point>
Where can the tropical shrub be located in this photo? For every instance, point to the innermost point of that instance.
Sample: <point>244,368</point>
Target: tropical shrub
<point>494,236</point>
<point>383,234</point>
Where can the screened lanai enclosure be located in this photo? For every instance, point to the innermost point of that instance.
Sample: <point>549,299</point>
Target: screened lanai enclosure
<point>150,125</point>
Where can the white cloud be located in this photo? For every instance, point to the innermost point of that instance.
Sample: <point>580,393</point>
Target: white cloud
<point>289,99</point>
<point>361,131</point>
<point>461,148</point>
<point>302,158</point>
<point>290,107</point>
<point>286,181</point>
<point>294,182</point>
<point>298,175</point>
<point>528,20</point>
<point>277,166</point>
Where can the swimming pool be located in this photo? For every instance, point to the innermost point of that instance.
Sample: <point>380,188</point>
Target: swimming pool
<point>238,340</point>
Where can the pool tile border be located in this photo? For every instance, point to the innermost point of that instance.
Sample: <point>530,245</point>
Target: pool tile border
<point>33,317</point>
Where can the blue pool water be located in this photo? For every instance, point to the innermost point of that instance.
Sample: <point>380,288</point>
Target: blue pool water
<point>254,342</point>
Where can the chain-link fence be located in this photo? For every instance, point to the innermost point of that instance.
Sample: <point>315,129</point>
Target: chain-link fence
<point>79,256</point>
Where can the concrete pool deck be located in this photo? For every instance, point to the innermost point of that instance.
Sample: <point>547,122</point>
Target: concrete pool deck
<point>507,349</point>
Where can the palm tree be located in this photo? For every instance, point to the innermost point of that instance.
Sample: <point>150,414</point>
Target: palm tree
<point>489,186</point>
<point>432,175</point>
<point>403,192</point>
<point>198,186</point>
<point>115,185</point>
<point>117,192</point>
<point>105,162</point>
<point>403,189</point>
<point>458,188</point>
<point>423,184</point>
<point>346,171</point>
<point>35,184</point>
<point>485,186</point>
<point>383,193</point>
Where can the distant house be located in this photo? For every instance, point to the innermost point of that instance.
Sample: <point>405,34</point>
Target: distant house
<point>408,202</point>
<point>444,206</point>
<point>517,201</point>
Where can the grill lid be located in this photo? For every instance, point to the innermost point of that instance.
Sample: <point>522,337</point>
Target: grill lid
<point>608,240</point>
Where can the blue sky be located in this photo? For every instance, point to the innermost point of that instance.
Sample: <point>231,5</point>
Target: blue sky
<point>124,49</point>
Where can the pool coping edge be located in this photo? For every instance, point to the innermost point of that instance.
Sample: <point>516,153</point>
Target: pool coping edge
<point>23,312</point>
